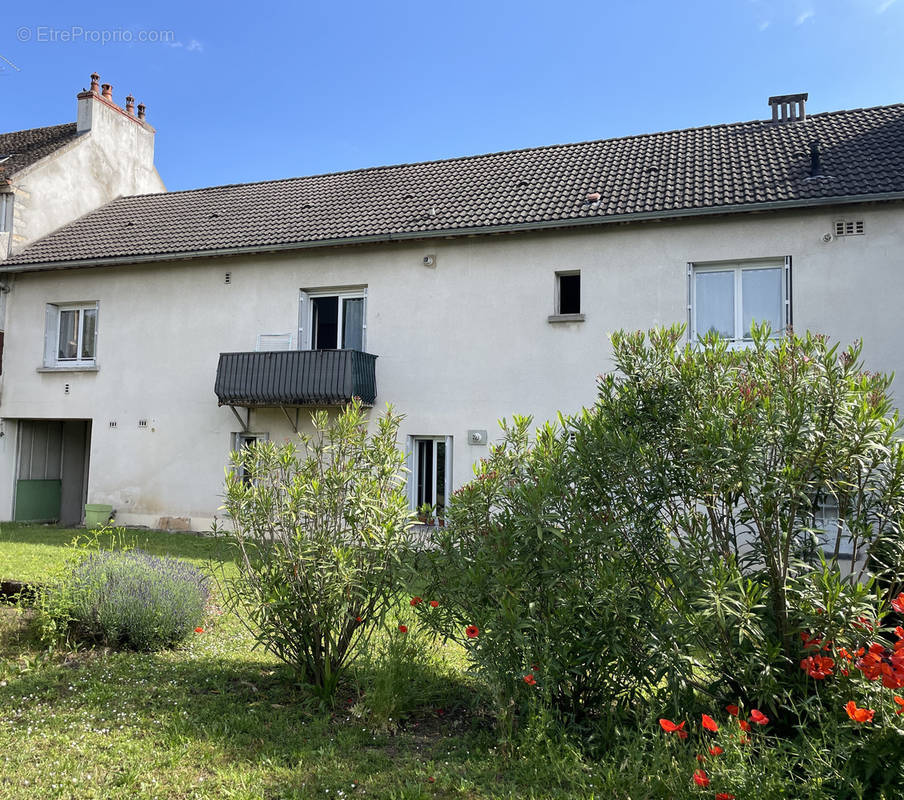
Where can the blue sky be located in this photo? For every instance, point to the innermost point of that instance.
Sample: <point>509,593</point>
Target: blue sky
<point>243,92</point>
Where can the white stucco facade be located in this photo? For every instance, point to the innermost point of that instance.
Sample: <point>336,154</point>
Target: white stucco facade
<point>111,156</point>
<point>460,344</point>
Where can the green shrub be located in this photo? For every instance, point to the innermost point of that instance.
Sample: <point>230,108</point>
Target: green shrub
<point>322,534</point>
<point>126,599</point>
<point>712,462</point>
<point>539,592</point>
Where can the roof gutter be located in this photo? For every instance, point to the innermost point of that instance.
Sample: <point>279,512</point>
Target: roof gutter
<point>643,216</point>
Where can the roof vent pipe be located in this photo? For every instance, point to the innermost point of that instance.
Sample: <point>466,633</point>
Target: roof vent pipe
<point>789,107</point>
<point>815,161</point>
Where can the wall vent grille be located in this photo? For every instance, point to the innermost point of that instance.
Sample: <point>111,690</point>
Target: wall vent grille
<point>227,278</point>
<point>848,227</point>
<point>142,423</point>
<point>113,423</point>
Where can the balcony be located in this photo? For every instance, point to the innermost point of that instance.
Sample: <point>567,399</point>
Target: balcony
<point>296,378</point>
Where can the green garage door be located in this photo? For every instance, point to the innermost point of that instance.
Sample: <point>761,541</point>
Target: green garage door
<point>39,483</point>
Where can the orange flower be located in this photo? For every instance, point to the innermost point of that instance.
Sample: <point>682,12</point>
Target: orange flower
<point>858,714</point>
<point>709,723</point>
<point>403,628</point>
<point>199,630</point>
<point>758,717</point>
<point>529,679</point>
<point>700,778</point>
<point>472,631</point>
<point>900,702</point>
<point>716,751</point>
<point>733,710</point>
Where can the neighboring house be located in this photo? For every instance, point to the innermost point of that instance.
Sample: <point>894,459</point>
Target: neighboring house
<point>48,178</point>
<point>461,291</point>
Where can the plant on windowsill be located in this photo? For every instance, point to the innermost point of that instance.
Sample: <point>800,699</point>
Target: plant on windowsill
<point>425,514</point>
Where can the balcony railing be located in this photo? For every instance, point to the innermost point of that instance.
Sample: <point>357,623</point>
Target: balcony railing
<point>296,378</point>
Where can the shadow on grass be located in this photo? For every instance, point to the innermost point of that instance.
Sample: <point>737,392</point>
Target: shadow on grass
<point>247,710</point>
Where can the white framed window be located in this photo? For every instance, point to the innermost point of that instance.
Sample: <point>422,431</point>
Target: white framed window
<point>242,440</point>
<point>332,319</point>
<point>70,335</point>
<point>6,211</point>
<point>826,525</point>
<point>430,477</point>
<point>729,298</point>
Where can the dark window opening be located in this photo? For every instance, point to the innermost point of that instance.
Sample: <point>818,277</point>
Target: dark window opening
<point>326,323</point>
<point>425,485</point>
<point>570,294</point>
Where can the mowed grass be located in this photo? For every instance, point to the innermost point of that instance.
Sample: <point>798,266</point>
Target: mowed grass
<point>218,719</point>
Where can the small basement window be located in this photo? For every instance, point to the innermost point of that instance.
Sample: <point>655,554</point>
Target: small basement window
<point>568,297</point>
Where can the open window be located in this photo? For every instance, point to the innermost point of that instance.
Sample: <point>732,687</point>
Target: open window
<point>430,480</point>
<point>568,297</point>
<point>70,335</point>
<point>333,319</point>
<point>242,441</point>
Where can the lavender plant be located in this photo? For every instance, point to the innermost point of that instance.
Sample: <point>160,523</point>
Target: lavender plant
<point>129,599</point>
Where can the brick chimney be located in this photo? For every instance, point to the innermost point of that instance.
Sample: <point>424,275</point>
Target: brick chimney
<point>789,107</point>
<point>96,106</point>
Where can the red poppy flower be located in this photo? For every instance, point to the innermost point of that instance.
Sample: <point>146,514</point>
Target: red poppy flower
<point>199,630</point>
<point>472,631</point>
<point>725,796</point>
<point>434,603</point>
<point>899,632</point>
<point>733,710</point>
<point>864,624</point>
<point>858,714</point>
<point>745,726</point>
<point>716,751</point>
<point>529,679</point>
<point>709,723</point>
<point>758,717</point>
<point>700,758</point>
<point>670,727</point>
<point>700,778</point>
<point>403,628</point>
<point>900,703</point>
<point>818,667</point>
<point>431,779</point>
<point>358,619</point>
<point>416,600</point>
<point>898,603</point>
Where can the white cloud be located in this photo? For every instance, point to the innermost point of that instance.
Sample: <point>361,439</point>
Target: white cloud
<point>884,6</point>
<point>802,18</point>
<point>193,46</point>
<point>766,23</point>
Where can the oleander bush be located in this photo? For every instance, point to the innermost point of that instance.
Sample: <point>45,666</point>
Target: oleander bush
<point>322,533</point>
<point>713,462</point>
<point>125,599</point>
<point>664,548</point>
<point>539,592</point>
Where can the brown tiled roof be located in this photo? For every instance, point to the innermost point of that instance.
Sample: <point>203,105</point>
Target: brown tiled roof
<point>734,167</point>
<point>26,147</point>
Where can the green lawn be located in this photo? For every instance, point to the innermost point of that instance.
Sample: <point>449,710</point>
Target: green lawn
<point>216,719</point>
